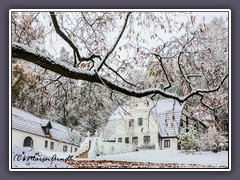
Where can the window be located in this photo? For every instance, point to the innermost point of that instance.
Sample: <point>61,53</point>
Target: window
<point>181,123</point>
<point>140,121</point>
<point>166,143</point>
<point>146,140</point>
<point>75,149</point>
<point>71,149</point>
<point>28,142</point>
<point>131,122</point>
<point>64,148</point>
<point>47,130</point>
<point>127,140</point>
<point>46,144</point>
<point>119,140</point>
<point>135,141</point>
<point>52,145</point>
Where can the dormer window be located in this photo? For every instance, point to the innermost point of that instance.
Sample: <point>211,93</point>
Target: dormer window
<point>47,128</point>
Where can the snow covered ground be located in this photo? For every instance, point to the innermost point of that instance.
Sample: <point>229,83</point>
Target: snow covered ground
<point>152,156</point>
<point>167,156</point>
<point>163,156</point>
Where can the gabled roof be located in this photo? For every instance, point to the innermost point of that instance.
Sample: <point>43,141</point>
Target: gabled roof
<point>114,119</point>
<point>30,123</point>
<point>168,112</point>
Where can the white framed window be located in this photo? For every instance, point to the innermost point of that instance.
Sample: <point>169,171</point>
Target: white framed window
<point>131,122</point>
<point>119,140</point>
<point>135,141</point>
<point>166,143</point>
<point>47,130</point>
<point>64,148</point>
<point>52,145</point>
<point>46,144</point>
<point>146,140</point>
<point>140,121</point>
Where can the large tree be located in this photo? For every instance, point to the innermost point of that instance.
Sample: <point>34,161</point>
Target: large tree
<point>134,53</point>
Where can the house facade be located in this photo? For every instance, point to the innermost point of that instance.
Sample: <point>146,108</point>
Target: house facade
<point>41,134</point>
<point>146,124</point>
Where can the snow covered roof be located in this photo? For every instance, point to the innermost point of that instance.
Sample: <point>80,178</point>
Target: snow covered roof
<point>30,123</point>
<point>168,112</point>
<point>114,119</point>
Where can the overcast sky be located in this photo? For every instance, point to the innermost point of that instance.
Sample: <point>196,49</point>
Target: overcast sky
<point>58,42</point>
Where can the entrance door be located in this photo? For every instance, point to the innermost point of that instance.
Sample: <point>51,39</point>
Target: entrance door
<point>135,142</point>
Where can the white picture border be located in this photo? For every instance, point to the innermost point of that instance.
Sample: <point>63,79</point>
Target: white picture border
<point>116,10</point>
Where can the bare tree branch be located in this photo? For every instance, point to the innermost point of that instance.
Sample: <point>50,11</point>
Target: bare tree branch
<point>119,75</point>
<point>164,70</point>
<point>116,42</point>
<point>75,49</point>
<point>60,33</point>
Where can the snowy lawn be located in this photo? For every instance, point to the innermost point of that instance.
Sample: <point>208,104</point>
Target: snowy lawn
<point>170,156</point>
<point>139,159</point>
<point>155,159</point>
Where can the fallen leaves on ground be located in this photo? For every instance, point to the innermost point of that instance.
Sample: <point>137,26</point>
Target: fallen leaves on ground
<point>99,164</point>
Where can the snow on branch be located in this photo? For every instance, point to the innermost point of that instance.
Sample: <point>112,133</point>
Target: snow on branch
<point>29,54</point>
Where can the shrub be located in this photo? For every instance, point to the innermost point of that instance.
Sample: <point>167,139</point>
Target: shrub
<point>188,140</point>
<point>211,140</point>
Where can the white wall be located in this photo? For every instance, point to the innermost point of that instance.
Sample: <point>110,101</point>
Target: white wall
<point>173,144</point>
<point>153,138</point>
<point>39,142</point>
<point>140,109</point>
<point>104,148</point>
<point>149,127</point>
<point>99,147</point>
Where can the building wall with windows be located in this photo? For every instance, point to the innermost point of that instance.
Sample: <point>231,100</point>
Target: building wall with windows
<point>41,143</point>
<point>145,123</point>
<point>169,143</point>
<point>138,126</point>
<point>29,130</point>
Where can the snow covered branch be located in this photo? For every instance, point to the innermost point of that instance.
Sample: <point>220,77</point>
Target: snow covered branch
<point>25,53</point>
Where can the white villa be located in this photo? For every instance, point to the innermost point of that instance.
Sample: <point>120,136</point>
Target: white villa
<point>144,123</point>
<point>41,134</point>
